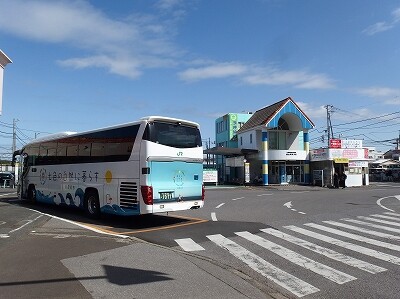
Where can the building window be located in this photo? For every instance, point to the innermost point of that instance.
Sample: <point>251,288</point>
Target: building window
<point>251,138</point>
<point>272,140</point>
<point>241,140</point>
<point>277,140</point>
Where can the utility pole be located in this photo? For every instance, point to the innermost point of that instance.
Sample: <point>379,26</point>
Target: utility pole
<point>329,110</point>
<point>14,144</point>
<point>397,142</point>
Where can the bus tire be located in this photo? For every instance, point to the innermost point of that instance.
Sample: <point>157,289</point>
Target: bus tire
<point>32,194</point>
<point>92,204</point>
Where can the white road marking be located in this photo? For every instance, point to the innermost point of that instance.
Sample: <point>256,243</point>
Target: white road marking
<point>3,236</point>
<point>348,260</point>
<point>393,214</point>
<point>220,205</point>
<point>379,220</point>
<point>214,216</point>
<point>27,222</point>
<point>357,248</point>
<point>6,194</point>
<point>299,191</point>
<point>355,237</point>
<point>381,205</point>
<point>2,222</point>
<point>237,198</point>
<point>291,283</point>
<point>189,245</point>
<point>385,217</point>
<point>265,194</point>
<point>391,229</point>
<point>298,259</point>
<point>363,230</point>
<point>288,204</point>
<point>82,225</point>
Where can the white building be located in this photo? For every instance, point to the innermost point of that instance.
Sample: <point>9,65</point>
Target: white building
<point>342,156</point>
<point>278,136</point>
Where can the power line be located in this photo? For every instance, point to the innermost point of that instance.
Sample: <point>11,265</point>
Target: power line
<point>367,119</point>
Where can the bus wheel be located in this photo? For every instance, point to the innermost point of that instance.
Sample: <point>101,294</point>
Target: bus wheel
<point>31,194</point>
<point>92,204</point>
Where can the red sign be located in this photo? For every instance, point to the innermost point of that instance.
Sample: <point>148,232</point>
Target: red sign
<point>335,143</point>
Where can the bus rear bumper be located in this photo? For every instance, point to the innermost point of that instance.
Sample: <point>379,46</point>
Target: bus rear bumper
<point>177,206</point>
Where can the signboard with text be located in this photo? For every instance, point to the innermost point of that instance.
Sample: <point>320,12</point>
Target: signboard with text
<point>346,154</point>
<point>210,176</point>
<point>345,143</point>
<point>335,143</point>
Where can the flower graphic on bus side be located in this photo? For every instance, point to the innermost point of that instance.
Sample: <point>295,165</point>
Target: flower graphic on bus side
<point>179,177</point>
<point>43,176</point>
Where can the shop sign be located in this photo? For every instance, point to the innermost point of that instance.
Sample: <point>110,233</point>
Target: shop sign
<point>352,154</point>
<point>335,143</point>
<point>210,176</point>
<point>341,160</point>
<point>247,172</point>
<point>351,143</point>
<point>358,164</point>
<point>345,143</point>
<point>319,154</point>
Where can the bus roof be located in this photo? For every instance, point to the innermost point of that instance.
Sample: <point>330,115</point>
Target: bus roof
<point>170,119</point>
<point>53,136</point>
<point>61,135</point>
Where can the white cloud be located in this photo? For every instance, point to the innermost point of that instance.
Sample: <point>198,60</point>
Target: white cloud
<point>123,67</point>
<point>296,78</point>
<point>168,4</point>
<point>396,15</point>
<point>377,27</point>
<point>385,25</point>
<point>123,47</point>
<point>254,75</point>
<point>218,70</point>
<point>312,111</point>
<point>378,92</point>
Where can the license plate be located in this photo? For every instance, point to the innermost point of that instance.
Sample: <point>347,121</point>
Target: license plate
<point>165,195</point>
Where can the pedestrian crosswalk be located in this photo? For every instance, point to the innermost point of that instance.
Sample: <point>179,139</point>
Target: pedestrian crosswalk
<point>335,245</point>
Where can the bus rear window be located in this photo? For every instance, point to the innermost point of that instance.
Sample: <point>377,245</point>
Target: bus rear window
<point>173,134</point>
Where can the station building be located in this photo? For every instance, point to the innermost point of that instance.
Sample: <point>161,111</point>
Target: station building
<point>270,147</point>
<point>226,141</point>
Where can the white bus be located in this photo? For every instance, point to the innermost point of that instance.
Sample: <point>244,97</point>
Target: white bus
<point>149,166</point>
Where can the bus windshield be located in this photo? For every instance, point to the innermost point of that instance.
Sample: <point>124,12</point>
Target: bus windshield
<point>173,134</point>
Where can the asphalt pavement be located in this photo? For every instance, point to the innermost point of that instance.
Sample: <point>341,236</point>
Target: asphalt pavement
<point>48,257</point>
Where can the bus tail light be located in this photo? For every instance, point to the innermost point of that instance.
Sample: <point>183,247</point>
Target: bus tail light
<point>147,194</point>
<point>203,191</point>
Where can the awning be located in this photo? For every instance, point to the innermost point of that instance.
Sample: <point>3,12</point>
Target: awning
<point>229,151</point>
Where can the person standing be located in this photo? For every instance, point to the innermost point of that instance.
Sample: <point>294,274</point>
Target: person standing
<point>342,179</point>
<point>336,180</point>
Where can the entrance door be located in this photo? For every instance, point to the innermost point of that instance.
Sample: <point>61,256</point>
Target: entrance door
<point>289,174</point>
<point>297,177</point>
<point>273,173</point>
<point>282,173</point>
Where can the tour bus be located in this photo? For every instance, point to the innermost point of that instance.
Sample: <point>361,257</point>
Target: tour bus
<point>149,166</point>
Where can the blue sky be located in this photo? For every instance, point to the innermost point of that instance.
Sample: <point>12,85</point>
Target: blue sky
<point>83,64</point>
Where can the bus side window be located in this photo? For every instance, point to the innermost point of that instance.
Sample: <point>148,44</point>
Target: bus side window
<point>84,152</point>
<point>72,153</point>
<point>97,152</point>
<point>61,153</point>
<point>33,153</point>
